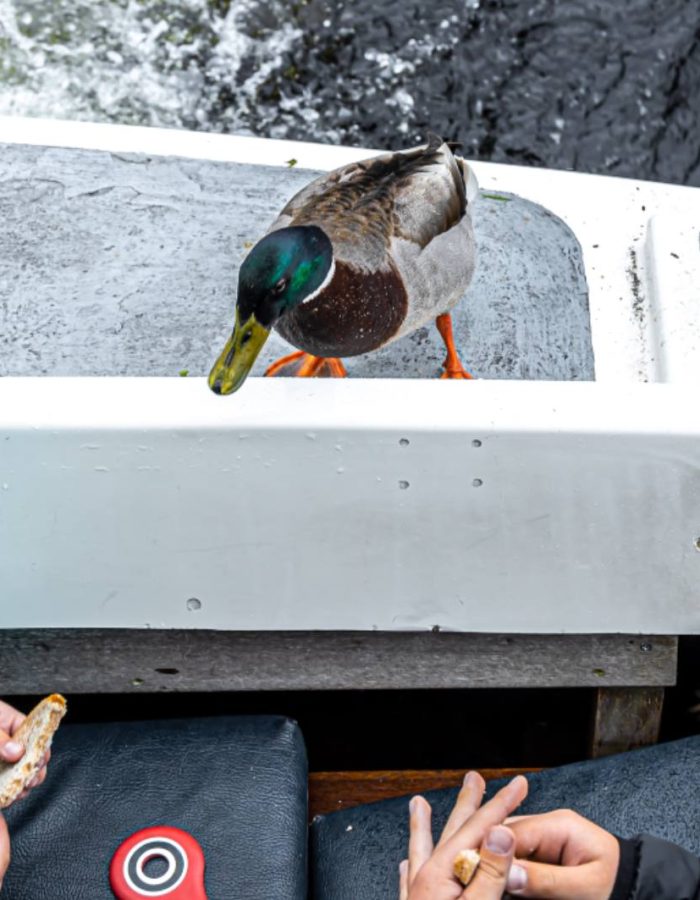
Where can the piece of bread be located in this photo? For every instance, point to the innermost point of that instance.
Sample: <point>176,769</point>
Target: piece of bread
<point>36,734</point>
<point>465,865</point>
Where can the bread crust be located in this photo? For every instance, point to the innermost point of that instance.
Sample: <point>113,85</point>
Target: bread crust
<point>465,865</point>
<point>36,734</point>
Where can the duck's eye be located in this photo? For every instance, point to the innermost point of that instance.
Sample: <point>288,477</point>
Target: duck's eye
<point>280,287</point>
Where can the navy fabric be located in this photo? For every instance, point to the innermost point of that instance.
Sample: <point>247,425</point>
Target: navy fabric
<point>356,852</point>
<point>654,869</point>
<point>237,784</point>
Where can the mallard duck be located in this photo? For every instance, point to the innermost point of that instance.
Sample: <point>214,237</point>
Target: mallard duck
<point>359,258</point>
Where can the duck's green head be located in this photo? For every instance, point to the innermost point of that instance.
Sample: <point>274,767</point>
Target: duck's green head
<point>285,268</point>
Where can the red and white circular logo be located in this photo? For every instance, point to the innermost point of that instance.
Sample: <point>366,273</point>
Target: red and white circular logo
<point>182,878</point>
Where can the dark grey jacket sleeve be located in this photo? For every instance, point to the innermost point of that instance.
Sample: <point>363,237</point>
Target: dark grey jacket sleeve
<point>652,869</point>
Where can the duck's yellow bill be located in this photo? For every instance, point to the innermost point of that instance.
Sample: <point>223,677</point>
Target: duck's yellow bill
<point>242,348</point>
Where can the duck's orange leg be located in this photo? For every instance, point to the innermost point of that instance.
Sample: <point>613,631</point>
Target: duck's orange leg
<point>308,367</point>
<point>453,367</point>
<point>283,362</point>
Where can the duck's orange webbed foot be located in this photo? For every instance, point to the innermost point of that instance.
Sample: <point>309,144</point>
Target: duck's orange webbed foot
<point>452,371</point>
<point>303,365</point>
<point>452,365</point>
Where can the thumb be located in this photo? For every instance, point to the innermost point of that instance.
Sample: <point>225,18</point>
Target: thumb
<point>10,750</point>
<point>552,882</point>
<point>489,882</point>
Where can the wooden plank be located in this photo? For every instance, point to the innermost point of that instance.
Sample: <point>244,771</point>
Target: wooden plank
<point>626,719</point>
<point>122,660</point>
<point>331,791</point>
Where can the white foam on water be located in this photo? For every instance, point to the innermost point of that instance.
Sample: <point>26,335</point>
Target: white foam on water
<point>188,63</point>
<point>9,30</point>
<point>262,56</point>
<point>159,63</point>
<point>196,64</point>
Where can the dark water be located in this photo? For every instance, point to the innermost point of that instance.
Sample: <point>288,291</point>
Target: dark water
<point>606,87</point>
<point>609,87</point>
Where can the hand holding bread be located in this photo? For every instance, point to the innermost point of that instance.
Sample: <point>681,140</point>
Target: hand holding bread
<point>472,860</point>
<point>10,720</point>
<point>25,744</point>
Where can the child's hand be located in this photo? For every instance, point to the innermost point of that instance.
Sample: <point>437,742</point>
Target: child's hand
<point>565,857</point>
<point>428,874</point>
<point>11,751</point>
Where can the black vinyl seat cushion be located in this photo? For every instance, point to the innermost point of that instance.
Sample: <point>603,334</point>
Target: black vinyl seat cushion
<point>355,853</point>
<point>237,784</point>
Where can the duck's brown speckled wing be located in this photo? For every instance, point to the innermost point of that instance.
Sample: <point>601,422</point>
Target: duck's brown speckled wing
<point>414,195</point>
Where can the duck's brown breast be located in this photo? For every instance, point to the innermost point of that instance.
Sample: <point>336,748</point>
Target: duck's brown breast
<point>356,313</point>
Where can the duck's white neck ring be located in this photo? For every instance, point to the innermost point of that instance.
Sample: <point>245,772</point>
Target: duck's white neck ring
<point>324,284</point>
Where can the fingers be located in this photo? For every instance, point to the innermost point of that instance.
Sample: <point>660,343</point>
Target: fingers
<point>10,718</point>
<point>564,854</point>
<point>10,750</point>
<point>41,775</point>
<point>403,880</point>
<point>489,882</point>
<point>467,826</point>
<point>553,882</point>
<point>37,780</point>
<point>542,836</point>
<point>8,753</point>
<point>561,837</point>
<point>492,813</point>
<point>420,841</point>
<point>468,801</point>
